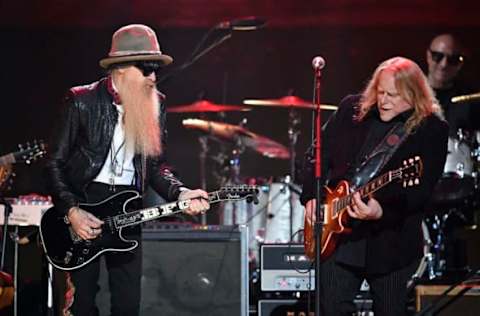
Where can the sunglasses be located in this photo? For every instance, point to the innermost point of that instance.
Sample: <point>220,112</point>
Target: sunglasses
<point>452,60</point>
<point>148,67</point>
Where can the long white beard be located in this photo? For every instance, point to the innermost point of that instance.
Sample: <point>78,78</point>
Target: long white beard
<point>142,129</point>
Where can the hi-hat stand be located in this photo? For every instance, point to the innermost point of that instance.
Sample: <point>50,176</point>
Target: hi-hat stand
<point>293,132</point>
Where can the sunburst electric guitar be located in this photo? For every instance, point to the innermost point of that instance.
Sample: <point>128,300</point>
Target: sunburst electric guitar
<point>335,215</point>
<point>67,251</point>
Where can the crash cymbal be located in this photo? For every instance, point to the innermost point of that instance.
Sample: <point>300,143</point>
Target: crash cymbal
<point>205,106</point>
<point>290,101</point>
<point>232,133</point>
<point>466,98</point>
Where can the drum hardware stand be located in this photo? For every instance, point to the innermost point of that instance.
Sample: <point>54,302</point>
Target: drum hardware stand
<point>293,132</point>
<point>203,141</point>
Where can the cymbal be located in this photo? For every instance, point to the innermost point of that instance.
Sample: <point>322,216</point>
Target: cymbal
<point>466,98</point>
<point>205,106</point>
<point>228,132</point>
<point>289,101</point>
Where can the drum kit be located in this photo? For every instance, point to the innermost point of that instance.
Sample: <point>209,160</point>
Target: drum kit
<point>278,215</point>
<point>453,206</point>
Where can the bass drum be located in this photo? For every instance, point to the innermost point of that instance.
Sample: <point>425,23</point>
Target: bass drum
<point>269,220</point>
<point>458,179</point>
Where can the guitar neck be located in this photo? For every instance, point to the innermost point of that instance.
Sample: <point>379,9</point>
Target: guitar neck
<point>369,188</point>
<point>7,159</point>
<point>168,209</point>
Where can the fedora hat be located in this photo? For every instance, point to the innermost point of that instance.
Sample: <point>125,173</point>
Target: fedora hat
<point>134,42</point>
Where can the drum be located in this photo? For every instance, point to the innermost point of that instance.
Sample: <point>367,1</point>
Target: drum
<point>458,179</point>
<point>269,220</point>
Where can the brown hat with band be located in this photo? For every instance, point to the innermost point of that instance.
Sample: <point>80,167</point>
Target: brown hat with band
<point>134,42</point>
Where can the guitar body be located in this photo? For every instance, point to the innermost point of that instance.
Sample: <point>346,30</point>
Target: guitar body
<point>333,224</point>
<point>6,290</point>
<point>66,251</point>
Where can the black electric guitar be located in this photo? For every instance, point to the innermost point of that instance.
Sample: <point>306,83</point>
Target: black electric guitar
<point>67,251</point>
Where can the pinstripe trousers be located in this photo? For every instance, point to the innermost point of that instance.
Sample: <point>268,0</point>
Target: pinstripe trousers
<point>340,283</point>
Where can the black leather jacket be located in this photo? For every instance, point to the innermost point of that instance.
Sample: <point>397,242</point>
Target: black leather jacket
<point>80,147</point>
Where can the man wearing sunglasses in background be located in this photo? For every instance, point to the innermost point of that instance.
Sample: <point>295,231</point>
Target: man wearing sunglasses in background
<point>445,59</point>
<point>112,138</point>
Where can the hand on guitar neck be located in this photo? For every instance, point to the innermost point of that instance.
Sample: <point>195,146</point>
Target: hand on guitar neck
<point>371,210</point>
<point>358,209</point>
<point>199,201</point>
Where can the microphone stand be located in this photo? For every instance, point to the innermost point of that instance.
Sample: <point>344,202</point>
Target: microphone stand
<point>318,173</point>
<point>198,52</point>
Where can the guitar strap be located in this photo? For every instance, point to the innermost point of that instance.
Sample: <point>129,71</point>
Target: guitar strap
<point>379,156</point>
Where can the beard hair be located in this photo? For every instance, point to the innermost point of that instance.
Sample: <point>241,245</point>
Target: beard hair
<point>142,129</point>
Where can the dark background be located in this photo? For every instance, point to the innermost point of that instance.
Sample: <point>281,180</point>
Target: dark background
<point>49,46</point>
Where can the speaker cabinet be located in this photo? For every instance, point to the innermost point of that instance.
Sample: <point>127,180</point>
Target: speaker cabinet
<point>190,272</point>
<point>467,304</point>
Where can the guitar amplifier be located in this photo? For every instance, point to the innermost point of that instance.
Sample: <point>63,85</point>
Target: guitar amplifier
<point>285,267</point>
<point>190,271</point>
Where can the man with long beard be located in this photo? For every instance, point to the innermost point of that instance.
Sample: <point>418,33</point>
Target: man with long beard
<point>111,139</point>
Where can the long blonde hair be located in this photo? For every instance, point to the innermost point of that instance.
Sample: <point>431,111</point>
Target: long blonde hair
<point>412,85</point>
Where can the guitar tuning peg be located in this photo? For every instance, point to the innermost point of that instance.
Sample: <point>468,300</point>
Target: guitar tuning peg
<point>404,184</point>
<point>410,182</point>
<point>417,181</point>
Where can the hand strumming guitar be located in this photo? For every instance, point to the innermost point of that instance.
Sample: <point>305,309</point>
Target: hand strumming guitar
<point>84,224</point>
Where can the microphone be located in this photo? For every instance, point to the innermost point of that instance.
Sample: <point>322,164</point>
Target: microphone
<point>318,63</point>
<point>249,23</point>
<point>466,98</point>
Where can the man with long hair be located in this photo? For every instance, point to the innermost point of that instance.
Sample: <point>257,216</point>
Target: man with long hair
<point>111,139</point>
<point>395,118</point>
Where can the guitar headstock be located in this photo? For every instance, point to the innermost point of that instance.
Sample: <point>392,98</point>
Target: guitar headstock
<point>411,171</point>
<point>239,192</point>
<point>30,151</point>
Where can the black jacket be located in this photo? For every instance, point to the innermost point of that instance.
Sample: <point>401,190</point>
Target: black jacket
<point>81,143</point>
<point>395,240</point>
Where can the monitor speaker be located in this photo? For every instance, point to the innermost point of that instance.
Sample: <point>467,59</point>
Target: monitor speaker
<point>190,272</point>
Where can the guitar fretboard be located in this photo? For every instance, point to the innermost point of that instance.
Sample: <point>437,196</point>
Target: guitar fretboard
<point>367,189</point>
<point>172,208</point>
